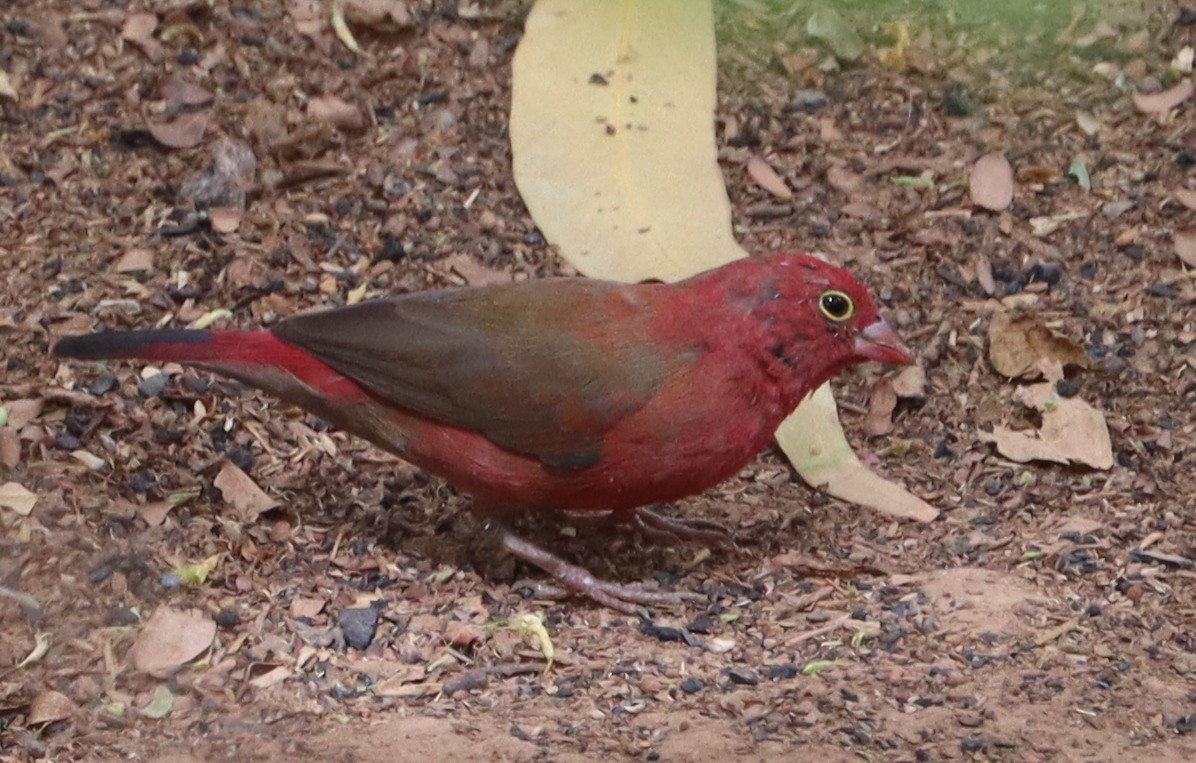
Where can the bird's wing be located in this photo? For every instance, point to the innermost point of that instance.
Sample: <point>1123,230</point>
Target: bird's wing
<point>539,368</point>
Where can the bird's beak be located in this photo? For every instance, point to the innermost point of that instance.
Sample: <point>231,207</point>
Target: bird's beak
<point>880,342</point>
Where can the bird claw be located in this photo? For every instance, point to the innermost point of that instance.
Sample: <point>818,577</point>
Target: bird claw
<point>628,599</point>
<point>659,527</point>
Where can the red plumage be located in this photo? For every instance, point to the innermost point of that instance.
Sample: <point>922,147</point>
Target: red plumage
<point>558,393</point>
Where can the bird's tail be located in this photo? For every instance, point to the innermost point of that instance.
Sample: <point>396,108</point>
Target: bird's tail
<point>170,345</point>
<point>258,358</point>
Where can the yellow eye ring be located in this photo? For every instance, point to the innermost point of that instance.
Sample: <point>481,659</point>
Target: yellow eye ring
<point>836,305</point>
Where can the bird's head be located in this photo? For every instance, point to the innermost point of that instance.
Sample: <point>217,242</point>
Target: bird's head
<point>817,319</point>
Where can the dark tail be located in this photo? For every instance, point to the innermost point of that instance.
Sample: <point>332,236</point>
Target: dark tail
<point>177,345</point>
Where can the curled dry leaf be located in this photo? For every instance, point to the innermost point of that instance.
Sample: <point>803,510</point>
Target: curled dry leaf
<point>1186,197</point>
<point>1185,246</point>
<point>766,177</point>
<point>990,182</point>
<point>184,131</point>
<point>1072,431</point>
<point>1024,347</point>
<point>909,382</point>
<point>225,219</point>
<point>10,447</point>
<point>332,110</point>
<point>239,489</point>
<point>139,30</point>
<point>170,639</point>
<point>1161,103</point>
<point>48,707</point>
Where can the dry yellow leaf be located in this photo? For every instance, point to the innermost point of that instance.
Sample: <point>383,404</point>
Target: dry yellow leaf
<point>614,153</point>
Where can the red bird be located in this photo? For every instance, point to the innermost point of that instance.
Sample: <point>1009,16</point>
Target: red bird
<point>559,393</point>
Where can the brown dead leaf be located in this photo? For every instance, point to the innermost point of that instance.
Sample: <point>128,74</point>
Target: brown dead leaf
<point>1072,431</point>
<point>474,272</point>
<point>308,16</point>
<point>10,447</point>
<point>909,382</point>
<point>1161,103</point>
<point>139,30</point>
<point>179,93</point>
<point>135,261</point>
<point>14,496</point>
<point>239,489</point>
<point>1186,197</point>
<point>990,182</point>
<point>309,607</point>
<point>155,512</point>
<point>225,219</point>
<point>843,179</point>
<point>334,111</point>
<point>379,15</point>
<point>1185,246</point>
<point>170,639</point>
<point>762,173</point>
<point>1021,346</point>
<point>22,412</point>
<point>184,131</point>
<point>48,707</point>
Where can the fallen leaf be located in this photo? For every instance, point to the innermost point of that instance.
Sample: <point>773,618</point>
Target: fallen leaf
<point>48,707</point>
<point>1185,246</point>
<point>1021,346</point>
<point>154,513</point>
<point>178,92</point>
<point>1160,103</point>
<point>990,182</point>
<point>239,489</point>
<point>17,498</point>
<point>474,272</point>
<point>6,88</point>
<point>615,156</point>
<point>272,677</point>
<point>1186,197</point>
<point>225,219</point>
<point>302,606</point>
<point>337,112</point>
<point>135,261</point>
<point>379,15</point>
<point>169,639</point>
<point>1087,123</point>
<point>341,29</point>
<point>767,178</point>
<point>160,704</point>
<point>23,412</point>
<point>139,30</point>
<point>184,131</point>
<point>10,447</point>
<point>1072,431</point>
<point>909,382</point>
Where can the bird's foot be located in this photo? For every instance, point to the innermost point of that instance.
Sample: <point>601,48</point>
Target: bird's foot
<point>628,599</point>
<point>661,528</point>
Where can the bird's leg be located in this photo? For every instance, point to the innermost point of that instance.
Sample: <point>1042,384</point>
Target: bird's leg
<point>576,579</point>
<point>656,525</point>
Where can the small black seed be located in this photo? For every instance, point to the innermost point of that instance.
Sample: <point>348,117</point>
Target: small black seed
<point>691,685</point>
<point>743,676</point>
<point>227,618</point>
<point>1067,388</point>
<point>102,384</point>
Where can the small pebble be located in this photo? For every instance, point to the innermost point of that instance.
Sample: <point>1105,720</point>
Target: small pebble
<point>743,676</point>
<point>691,685</point>
<point>808,100</point>
<point>102,384</point>
<point>153,386</point>
<point>67,441</point>
<point>358,624</point>
<point>779,672</point>
<point>1067,388</point>
<point>227,618</point>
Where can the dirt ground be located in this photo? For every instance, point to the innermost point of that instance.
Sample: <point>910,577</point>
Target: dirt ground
<point>1048,614</point>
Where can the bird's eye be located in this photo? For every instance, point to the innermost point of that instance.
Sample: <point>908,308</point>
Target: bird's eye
<point>836,305</point>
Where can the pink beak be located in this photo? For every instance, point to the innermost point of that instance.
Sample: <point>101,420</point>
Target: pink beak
<point>880,342</point>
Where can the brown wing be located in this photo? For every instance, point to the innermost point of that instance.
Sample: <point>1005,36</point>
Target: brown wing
<point>534,367</point>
